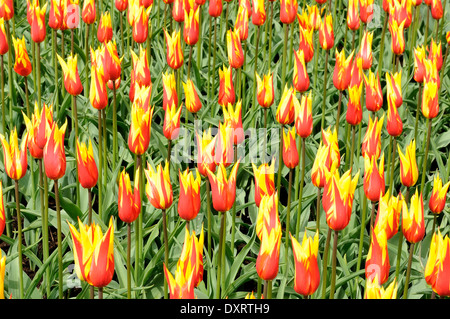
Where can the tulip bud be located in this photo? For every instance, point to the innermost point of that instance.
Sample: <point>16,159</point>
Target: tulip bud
<point>15,160</point>
<point>374,94</point>
<point>366,50</point>
<point>307,275</point>
<point>430,103</point>
<point>205,155</point>
<point>303,117</point>
<point>409,172</point>
<point>191,26</point>
<point>38,30</point>
<point>223,188</point>
<point>290,153</point>
<point>87,168</point>
<point>258,12</point>
<point>264,181</point>
<point>22,64</point>
<point>388,215</point>
<point>438,195</point>
<point>129,201</point>
<point>72,81</point>
<point>300,78</point>
<point>215,8</point>
<point>55,19</point>
<point>121,5</point>
<point>437,11</point>
<point>354,108</point>
<point>98,94</point>
<point>234,49</point>
<point>342,73</point>
<point>398,37</point>
<point>326,33</point>
<point>288,11</point>
<point>306,43</point>
<point>352,15</point>
<point>174,55</point>
<point>189,198</point>
<point>226,88</point>
<point>192,101</point>
<point>170,95</point>
<point>413,222</point>
<point>171,127</point>
<point>54,154</point>
<point>374,184</point>
<point>394,125</point>
<point>233,119</point>
<point>366,10</point>
<point>267,262</point>
<point>265,90</point>
<point>394,87</point>
<point>224,152</point>
<point>6,9</point>
<point>286,109</point>
<point>112,62</point>
<point>104,31</point>
<point>159,188</point>
<point>377,261</point>
<point>88,13</point>
<point>371,145</point>
<point>435,53</point>
<point>241,23</point>
<point>140,24</point>
<point>140,128</point>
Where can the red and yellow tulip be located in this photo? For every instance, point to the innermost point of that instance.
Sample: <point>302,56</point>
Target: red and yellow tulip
<point>112,62</point>
<point>290,153</point>
<point>191,26</point>
<point>394,87</point>
<point>288,11</point>
<point>265,90</point>
<point>234,49</point>
<point>300,78</point>
<point>141,69</point>
<point>438,195</point>
<point>306,43</point>
<point>342,73</point>
<point>413,222</point>
<point>354,108</point>
<point>352,15</point>
<point>191,258</point>
<point>4,46</point>
<point>98,94</point>
<point>192,101</point>
<point>436,270</point>
<point>15,159</point>
<point>223,149</point>
<point>394,124</point>
<point>205,152</point>
<point>72,81</point>
<point>104,31</point>
<point>286,109</point>
<point>189,198</point>
<point>365,52</point>
<point>267,262</point>
<point>264,181</point>
<point>326,33</point>
<point>430,103</point>
<point>241,23</point>
<point>375,291</point>
<point>223,187</point>
<point>233,119</point>
<point>22,64</point>
<point>88,12</point>
<point>54,154</point>
<point>171,126</point>
<point>374,93</point>
<point>374,184</point>
<point>215,8</point>
<point>55,19</point>
<point>419,65</point>
<point>226,88</point>
<point>6,9</point>
<point>140,24</point>
<point>158,187</point>
<point>366,10</point>
<point>87,168</point>
<point>377,261</point>
<point>258,12</point>
<point>437,11</point>
<point>371,145</point>
<point>38,30</point>
<point>435,53</point>
<point>33,130</point>
<point>409,172</point>
<point>170,95</point>
<point>140,128</point>
<point>307,275</point>
<point>398,37</point>
<point>388,215</point>
<point>93,253</point>
<point>129,200</point>
<point>303,117</point>
<point>174,54</point>
<point>2,228</point>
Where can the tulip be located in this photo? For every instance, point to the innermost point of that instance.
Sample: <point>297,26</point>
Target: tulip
<point>93,253</point>
<point>241,23</point>
<point>388,215</point>
<point>409,172</point>
<point>267,262</point>
<point>182,286</point>
<point>438,195</point>
<point>223,188</point>
<point>170,95</point>
<point>224,152</point>
<point>326,33</point>
<point>366,50</point>
<point>191,258</point>
<point>371,145</point>
<point>307,276</point>
<point>431,72</point>
<point>366,10</point>
<point>314,17</point>
<point>205,154</point>
<point>192,101</point>
<point>33,129</point>
<point>191,26</point>
<point>98,94</point>
<point>87,168</point>
<point>158,187</point>
<point>290,153</point>
<point>319,166</point>
<point>435,53</point>
<point>352,15</point>
<point>437,265</point>
<point>171,127</point>
<point>394,87</point>
<point>377,261</point>
<point>141,68</point>
<point>264,181</point>
<point>338,198</point>
<point>419,66</point>
<point>354,108</point>
<point>55,19</point>
<point>258,12</point>
<point>436,9</point>
<point>6,9</point>
<point>394,124</point>
<point>300,78</point>
<point>189,198</point>
<point>306,43</point>
<point>129,202</point>
<point>2,227</point>
<point>303,19</point>
<point>54,154</point>
<point>447,37</point>
<point>215,8</point>
<point>267,217</point>
<point>430,104</point>
<point>374,93</point>
<point>342,73</point>
<point>234,49</point>
<point>104,31</point>
<point>89,12</point>
<point>71,20</point>
<point>356,73</point>
<point>140,24</point>
<point>398,38</point>
<point>374,185</point>
<point>226,89</point>
<point>413,223</point>
<point>401,11</point>
<point>38,23</point>
<point>15,160</point>
<point>4,46</point>
<point>121,5</point>
<point>265,90</point>
<point>140,129</point>
<point>112,62</point>
<point>72,81</point>
<point>286,109</point>
<point>174,55</point>
<point>303,117</point>
<point>288,11</point>
<point>375,291</point>
<point>178,10</point>
<point>22,64</point>
<point>233,119</point>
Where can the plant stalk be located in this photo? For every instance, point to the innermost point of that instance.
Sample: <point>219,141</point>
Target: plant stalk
<point>59,239</point>
<point>19,238</point>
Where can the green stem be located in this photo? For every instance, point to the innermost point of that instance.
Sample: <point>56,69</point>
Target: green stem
<point>233,212</point>
<point>3,96</point>
<point>361,234</point>
<point>394,146</point>
<point>219,254</point>
<point>19,238</point>
<point>425,159</point>
<point>288,221</point>
<point>269,58</point>
<point>322,123</point>
<point>408,271</point>
<point>43,190</point>
<point>128,260</point>
<point>59,239</point>
<point>280,160</point>
<point>318,209</point>
<point>114,128</point>
<point>38,71</point>
<point>100,166</point>
<point>283,65</point>
<point>353,146</point>
<point>381,55</point>
<point>75,124</point>
<point>400,241</point>
<point>333,265</point>
<point>166,250</point>
<point>55,66</point>
<point>254,73</point>
<point>86,67</point>
<point>302,181</point>
<point>325,264</point>
<point>26,97</point>
<point>419,99</point>
<point>10,75</point>
<point>338,115</point>
<point>213,109</point>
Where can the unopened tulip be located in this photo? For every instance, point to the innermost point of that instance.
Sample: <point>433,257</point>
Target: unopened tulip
<point>314,17</point>
<point>265,90</point>
<point>306,43</point>
<point>436,271</point>
<point>72,81</point>
<point>374,93</point>
<point>158,187</point>
<point>354,108</point>
<point>178,10</point>
<point>215,8</point>
<point>377,261</point>
<point>337,199</point>
<point>141,68</point>
<point>419,66</point>
<point>89,12</point>
<point>15,159</point>
<point>307,275</point>
<point>356,72</point>
<point>352,15</point>
<point>54,154</point>
<point>394,87</point>
<point>268,217</point>
<point>223,187</point>
<point>38,30</point>
<point>401,11</point>
<point>394,124</point>
<point>205,152</point>
<point>87,168</point>
<point>6,9</point>
<point>430,103</point>
<point>342,70</point>
<point>241,23</point>
<point>290,153</point>
<point>191,258</point>
<point>55,18</point>
<point>267,262</point>
<point>121,5</point>
<point>226,88</point>
<point>435,53</point>
<point>388,215</point>
<point>191,26</point>
<point>409,172</point>
<point>93,253</point>
<point>104,31</point>
<point>264,180</point>
<point>33,130</point>
<point>366,10</point>
<point>438,195</point>
<point>112,62</point>
<point>437,11</point>
<point>140,24</point>
<point>413,222</point>
<point>319,167</point>
<point>300,78</point>
<point>326,33</point>
<point>374,184</point>
<point>366,50</point>
<point>4,46</point>
<point>398,38</point>
<point>22,64</point>
<point>174,54</point>
<point>140,129</point>
<point>233,118</point>
<point>223,149</point>
<point>182,285</point>
<point>171,127</point>
<point>286,109</point>
<point>170,95</point>
<point>371,145</point>
<point>431,72</point>
<point>192,101</point>
<point>303,117</point>
<point>189,198</point>
<point>234,49</point>
<point>258,12</point>
<point>288,11</point>
<point>98,94</point>
<point>129,200</point>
